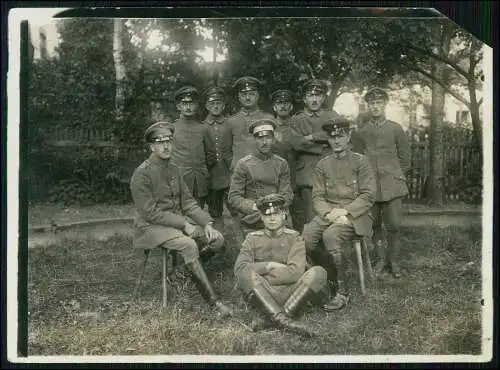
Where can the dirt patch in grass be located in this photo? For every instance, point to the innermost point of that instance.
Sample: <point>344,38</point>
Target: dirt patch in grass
<point>45,214</point>
<point>80,303</point>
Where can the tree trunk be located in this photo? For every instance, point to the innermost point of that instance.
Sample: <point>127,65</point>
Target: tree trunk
<point>119,69</point>
<point>474,114</point>
<point>436,157</point>
<point>435,183</point>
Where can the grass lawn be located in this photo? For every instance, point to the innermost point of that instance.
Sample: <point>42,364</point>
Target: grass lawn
<point>80,304</point>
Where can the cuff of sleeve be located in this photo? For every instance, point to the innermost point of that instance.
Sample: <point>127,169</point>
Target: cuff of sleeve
<point>352,211</point>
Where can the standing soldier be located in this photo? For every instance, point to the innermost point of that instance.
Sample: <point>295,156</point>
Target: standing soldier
<point>343,194</point>
<point>282,100</point>
<point>248,96</point>
<point>258,174</point>
<point>310,142</point>
<point>163,205</point>
<point>384,143</point>
<point>219,155</point>
<point>190,144</point>
<point>271,268</point>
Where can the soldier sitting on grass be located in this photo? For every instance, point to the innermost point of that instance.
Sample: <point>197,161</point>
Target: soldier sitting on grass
<point>271,269</point>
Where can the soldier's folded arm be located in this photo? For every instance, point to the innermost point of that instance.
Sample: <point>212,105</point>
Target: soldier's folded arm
<point>237,190</point>
<point>321,206</point>
<point>403,150</point>
<point>367,189</point>
<point>146,204</point>
<point>300,143</point>
<point>245,260</point>
<point>191,208</point>
<point>295,266</point>
<point>320,136</point>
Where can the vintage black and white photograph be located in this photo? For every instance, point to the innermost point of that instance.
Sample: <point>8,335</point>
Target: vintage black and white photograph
<point>252,188</point>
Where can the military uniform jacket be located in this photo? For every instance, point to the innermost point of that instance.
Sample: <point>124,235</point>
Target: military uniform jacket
<point>260,247</point>
<point>386,147</point>
<point>243,141</point>
<point>283,146</point>
<point>162,201</point>
<point>309,152</point>
<point>348,183</point>
<point>189,147</point>
<point>255,176</point>
<point>220,152</point>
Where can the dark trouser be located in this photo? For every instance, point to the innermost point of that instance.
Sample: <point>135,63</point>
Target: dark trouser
<point>194,247</point>
<point>305,203</point>
<point>215,200</point>
<point>390,214</point>
<point>334,237</point>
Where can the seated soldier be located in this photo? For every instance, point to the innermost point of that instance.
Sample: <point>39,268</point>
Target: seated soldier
<point>258,174</point>
<point>343,194</point>
<point>163,202</point>
<point>270,268</point>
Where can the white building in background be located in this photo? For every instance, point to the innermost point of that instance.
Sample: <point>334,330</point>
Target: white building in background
<point>44,38</point>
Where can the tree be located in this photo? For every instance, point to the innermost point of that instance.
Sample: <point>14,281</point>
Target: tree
<point>414,41</point>
<point>120,73</point>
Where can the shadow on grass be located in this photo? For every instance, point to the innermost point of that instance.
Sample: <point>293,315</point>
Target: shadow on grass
<point>80,303</point>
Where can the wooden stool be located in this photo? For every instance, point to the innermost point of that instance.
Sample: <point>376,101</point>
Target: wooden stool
<point>360,246</point>
<point>168,255</point>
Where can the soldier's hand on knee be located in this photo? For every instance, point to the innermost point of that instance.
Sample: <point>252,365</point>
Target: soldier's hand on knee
<point>342,220</point>
<point>336,213</point>
<point>211,233</point>
<point>189,229</point>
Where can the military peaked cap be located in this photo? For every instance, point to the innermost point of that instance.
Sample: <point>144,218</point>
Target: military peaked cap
<point>262,127</point>
<point>376,93</point>
<point>159,132</point>
<point>186,94</point>
<point>247,83</point>
<point>282,95</point>
<point>315,85</point>
<point>337,126</point>
<point>214,93</point>
<point>271,203</point>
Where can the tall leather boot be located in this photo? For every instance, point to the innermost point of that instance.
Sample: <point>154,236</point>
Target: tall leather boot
<point>341,293</point>
<point>265,302</point>
<point>300,296</point>
<point>381,256</point>
<point>394,246</point>
<point>219,223</point>
<point>205,288</point>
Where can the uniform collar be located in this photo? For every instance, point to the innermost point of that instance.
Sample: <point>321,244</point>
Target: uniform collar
<point>313,114</point>
<point>262,156</point>
<point>249,113</point>
<point>278,233</point>
<point>344,155</point>
<point>187,120</point>
<point>211,119</point>
<point>158,161</point>
<point>378,122</point>
<point>282,122</point>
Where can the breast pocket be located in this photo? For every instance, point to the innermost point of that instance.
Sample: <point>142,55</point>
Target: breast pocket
<point>348,188</point>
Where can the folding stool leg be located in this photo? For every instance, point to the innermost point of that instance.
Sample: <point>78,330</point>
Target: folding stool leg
<point>368,259</point>
<point>357,246</point>
<point>141,275</point>
<point>164,275</point>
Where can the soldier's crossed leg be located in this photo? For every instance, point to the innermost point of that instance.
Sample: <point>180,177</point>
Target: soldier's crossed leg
<point>314,278</point>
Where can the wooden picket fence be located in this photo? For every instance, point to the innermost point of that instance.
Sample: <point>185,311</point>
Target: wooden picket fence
<point>459,162</point>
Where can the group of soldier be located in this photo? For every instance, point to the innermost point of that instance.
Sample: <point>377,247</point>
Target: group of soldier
<point>299,188</point>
